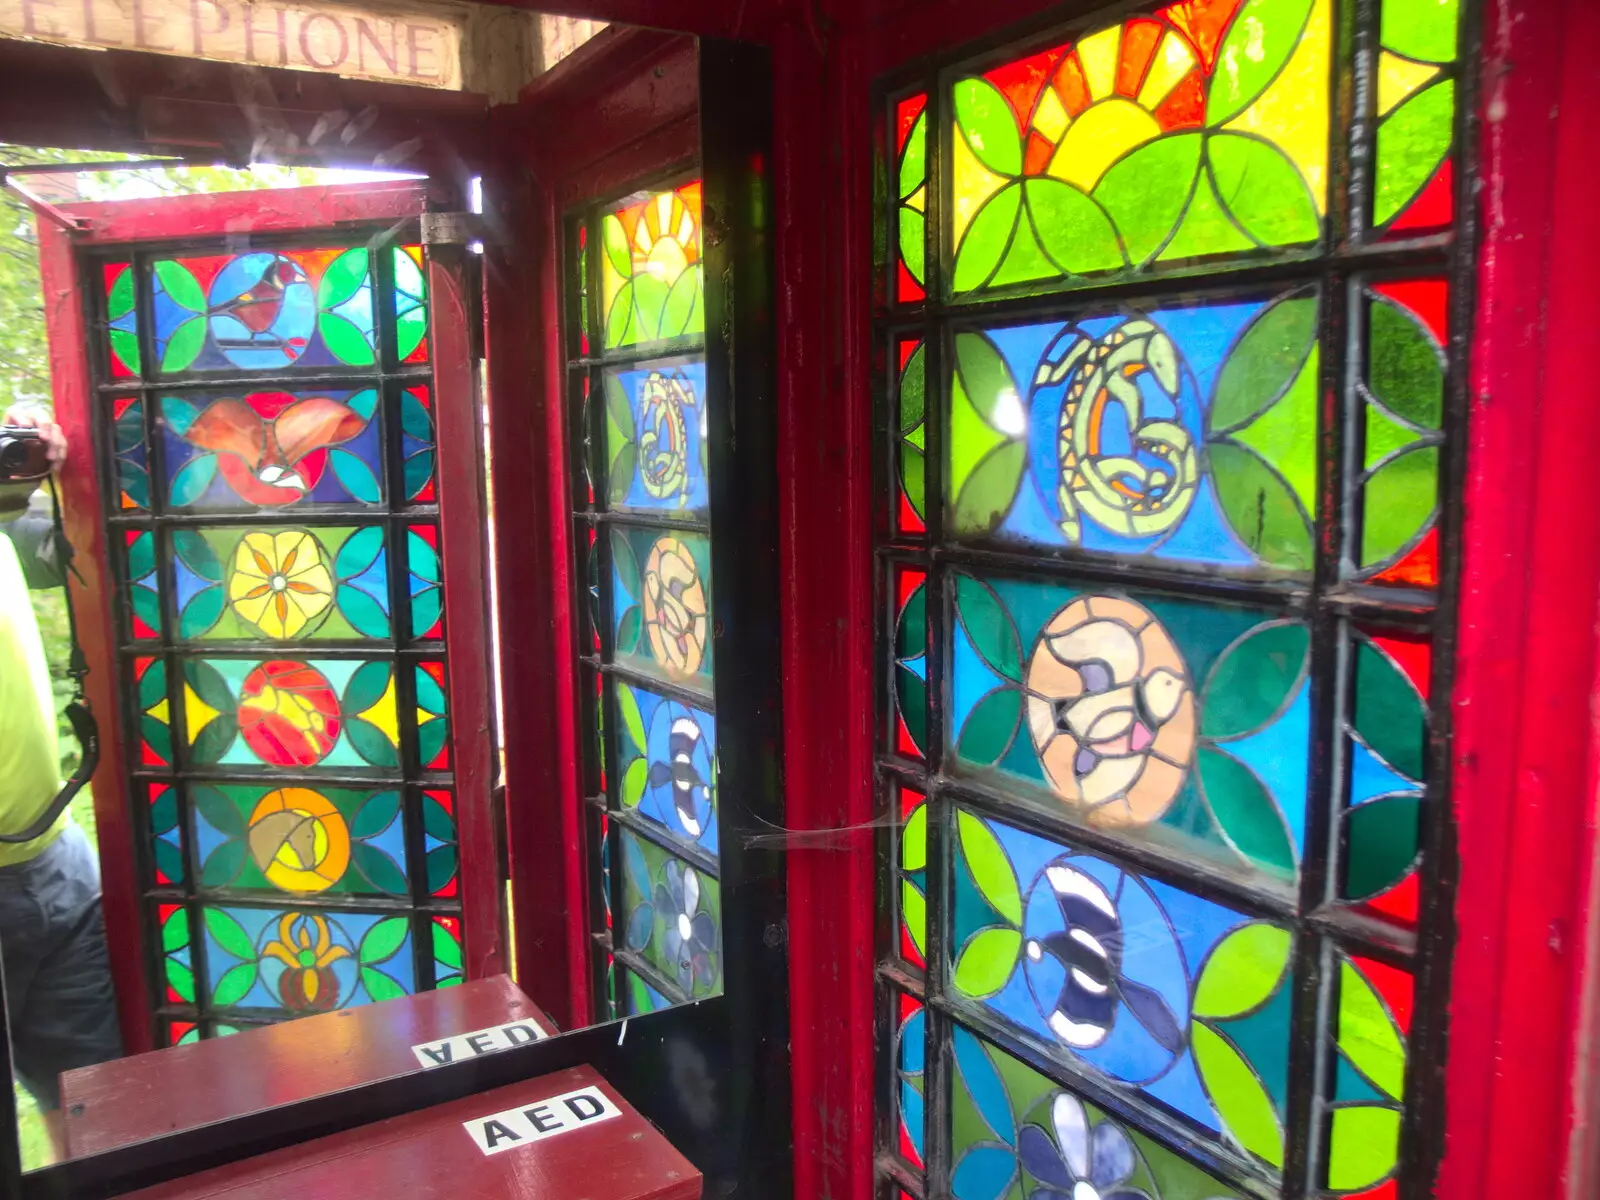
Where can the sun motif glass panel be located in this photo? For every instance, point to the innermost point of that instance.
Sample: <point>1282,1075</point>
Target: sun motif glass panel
<point>639,407</point>
<point>1161,572</point>
<point>277,545</point>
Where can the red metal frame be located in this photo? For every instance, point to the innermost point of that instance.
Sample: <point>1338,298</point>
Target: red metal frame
<point>633,97</point>
<point>461,518</point>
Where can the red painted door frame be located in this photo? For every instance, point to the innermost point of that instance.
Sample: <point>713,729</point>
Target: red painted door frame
<point>461,517</point>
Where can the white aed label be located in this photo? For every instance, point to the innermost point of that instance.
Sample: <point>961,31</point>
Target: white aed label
<point>478,1043</point>
<point>542,1119</point>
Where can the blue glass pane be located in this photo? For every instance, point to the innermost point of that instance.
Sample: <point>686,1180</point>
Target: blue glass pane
<point>1127,975</point>
<point>1157,718</point>
<point>667,760</point>
<point>1183,433</point>
<point>269,450</point>
<point>655,436</point>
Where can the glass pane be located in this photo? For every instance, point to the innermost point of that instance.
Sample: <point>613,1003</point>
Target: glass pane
<point>672,912</point>
<point>911,662</point>
<point>911,859</point>
<point>416,445</point>
<point>264,311</point>
<point>285,962</point>
<point>650,272</point>
<point>910,454</point>
<point>425,581</point>
<point>661,598</point>
<point>142,589</point>
<point>328,715</point>
<point>1370,1029</point>
<point>167,865</point>
<point>1199,132</point>
<point>1414,189</point>
<point>1183,999</point>
<point>1187,434</point>
<point>133,457</point>
<point>1402,392</point>
<point>272,449</point>
<point>911,191</point>
<point>303,841</point>
<point>667,764</point>
<point>655,436</point>
<point>1387,741</point>
<point>910,1095</point>
<point>410,305</point>
<point>1153,717</point>
<point>125,360</point>
<point>269,583</point>
<point>1015,1131</point>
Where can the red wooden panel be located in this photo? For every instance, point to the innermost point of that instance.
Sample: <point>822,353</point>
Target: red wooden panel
<point>274,210</point>
<point>463,519</point>
<point>427,1155</point>
<point>92,596</point>
<point>135,1099</point>
<point>1521,1082</point>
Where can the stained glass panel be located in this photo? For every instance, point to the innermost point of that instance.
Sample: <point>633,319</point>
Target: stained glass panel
<point>265,311</point>
<point>286,962</point>
<point>910,1090</point>
<point>1414,189</point>
<point>1152,717</point>
<point>667,756</point>
<point>1197,132</point>
<point>1192,1010</point>
<point>133,458</point>
<point>911,390</point>
<point>1370,1032</point>
<point>143,588</point>
<point>1387,738</point>
<point>1187,574</point>
<point>661,600</point>
<point>273,618</point>
<point>911,191</point>
<point>1015,1132</point>
<point>1182,433</point>
<point>911,662</point>
<point>655,436</point>
<point>648,724</point>
<point>125,359</point>
<point>651,278</point>
<point>911,855</point>
<point>672,916</point>
<point>166,837</point>
<point>271,449</point>
<point>299,841</point>
<point>1402,391</point>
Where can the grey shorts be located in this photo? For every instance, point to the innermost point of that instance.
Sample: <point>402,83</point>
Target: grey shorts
<point>59,996</point>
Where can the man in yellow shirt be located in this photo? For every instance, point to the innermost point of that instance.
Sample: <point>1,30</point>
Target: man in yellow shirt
<point>59,995</point>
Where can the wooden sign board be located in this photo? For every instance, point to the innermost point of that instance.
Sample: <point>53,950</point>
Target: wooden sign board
<point>424,44</point>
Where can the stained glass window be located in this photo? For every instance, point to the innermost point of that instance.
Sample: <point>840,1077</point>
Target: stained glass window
<point>1165,322</point>
<point>642,532</point>
<point>266,414</point>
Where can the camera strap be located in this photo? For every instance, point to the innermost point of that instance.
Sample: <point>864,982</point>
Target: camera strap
<point>79,715</point>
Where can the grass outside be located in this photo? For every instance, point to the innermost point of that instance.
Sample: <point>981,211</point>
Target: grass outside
<point>50,609</point>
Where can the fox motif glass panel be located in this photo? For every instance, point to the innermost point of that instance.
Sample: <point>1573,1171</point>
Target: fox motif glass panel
<point>1163,565</point>
<point>639,412</point>
<point>278,543</point>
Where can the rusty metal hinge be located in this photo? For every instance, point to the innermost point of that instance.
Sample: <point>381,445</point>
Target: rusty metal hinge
<point>452,228</point>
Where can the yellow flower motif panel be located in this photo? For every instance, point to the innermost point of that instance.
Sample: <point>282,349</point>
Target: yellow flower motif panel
<point>280,582</point>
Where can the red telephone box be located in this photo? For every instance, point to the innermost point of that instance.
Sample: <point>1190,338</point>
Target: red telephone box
<point>877,1013</point>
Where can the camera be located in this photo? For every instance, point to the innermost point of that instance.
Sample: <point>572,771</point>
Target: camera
<point>24,454</point>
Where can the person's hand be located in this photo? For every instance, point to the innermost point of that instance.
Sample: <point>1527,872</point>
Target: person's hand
<point>31,418</point>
